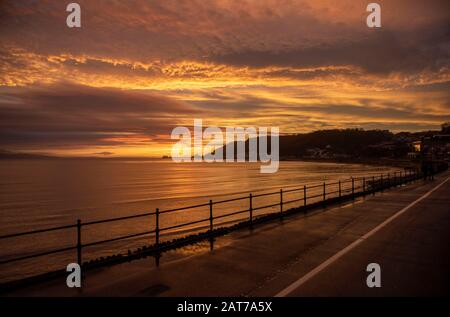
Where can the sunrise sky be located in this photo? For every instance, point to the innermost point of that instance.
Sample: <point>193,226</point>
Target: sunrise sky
<point>137,69</point>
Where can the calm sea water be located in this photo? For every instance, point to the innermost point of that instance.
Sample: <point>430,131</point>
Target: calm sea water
<point>37,194</point>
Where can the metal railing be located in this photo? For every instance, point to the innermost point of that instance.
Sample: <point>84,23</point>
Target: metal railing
<point>310,195</point>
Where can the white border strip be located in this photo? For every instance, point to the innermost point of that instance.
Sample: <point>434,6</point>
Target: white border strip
<point>318,269</point>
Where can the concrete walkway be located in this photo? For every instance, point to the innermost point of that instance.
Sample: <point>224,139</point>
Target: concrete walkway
<point>271,259</point>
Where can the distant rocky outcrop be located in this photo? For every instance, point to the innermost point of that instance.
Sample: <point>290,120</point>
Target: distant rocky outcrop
<point>4,154</point>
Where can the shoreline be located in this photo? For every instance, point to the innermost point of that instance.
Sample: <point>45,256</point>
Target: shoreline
<point>400,163</point>
<point>370,161</point>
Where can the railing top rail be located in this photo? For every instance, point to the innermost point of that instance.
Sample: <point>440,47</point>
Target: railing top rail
<point>94,222</point>
<point>12,235</point>
<point>230,200</point>
<point>183,208</point>
<point>35,255</point>
<point>266,194</point>
<point>293,190</point>
<point>315,186</point>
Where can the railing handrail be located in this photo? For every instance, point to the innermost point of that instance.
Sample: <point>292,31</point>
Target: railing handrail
<point>12,235</point>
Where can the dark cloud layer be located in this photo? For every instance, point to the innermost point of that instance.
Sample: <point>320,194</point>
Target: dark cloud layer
<point>78,115</point>
<point>386,51</point>
<point>251,33</point>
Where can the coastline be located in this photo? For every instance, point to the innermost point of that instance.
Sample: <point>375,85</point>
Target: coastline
<point>400,163</point>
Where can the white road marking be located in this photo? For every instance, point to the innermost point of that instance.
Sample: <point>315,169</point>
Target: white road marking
<point>315,271</point>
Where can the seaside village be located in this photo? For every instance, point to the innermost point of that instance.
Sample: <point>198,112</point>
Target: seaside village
<point>419,146</point>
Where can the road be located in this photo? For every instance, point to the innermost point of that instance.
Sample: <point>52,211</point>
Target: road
<point>406,230</point>
<point>411,248</point>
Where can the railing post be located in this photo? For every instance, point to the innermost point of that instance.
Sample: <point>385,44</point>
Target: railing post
<point>364,184</point>
<point>324,191</point>
<point>281,202</point>
<point>353,188</point>
<point>381,182</point>
<point>304,195</point>
<point>157,227</point>
<point>79,245</point>
<point>373,185</point>
<point>251,208</point>
<point>339,188</point>
<point>211,215</point>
